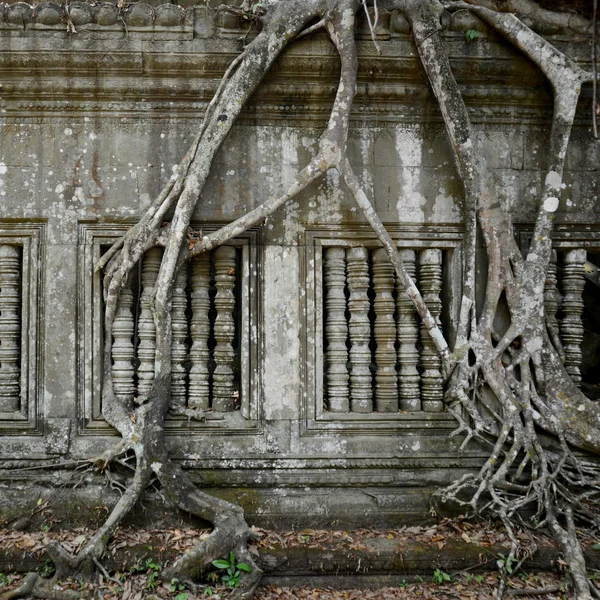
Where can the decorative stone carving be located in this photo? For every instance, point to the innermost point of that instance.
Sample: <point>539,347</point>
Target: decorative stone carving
<point>430,279</point>
<point>19,13</point>
<point>139,14</point>
<point>146,329</point>
<point>179,349</point>
<point>571,327</point>
<point>168,15</point>
<point>552,297</point>
<point>123,351</point>
<point>10,328</point>
<point>408,336</point>
<point>361,399</point>
<point>336,330</point>
<point>199,389</point>
<point>386,388</point>
<point>80,13</point>
<point>48,13</point>
<point>224,329</point>
<point>107,14</point>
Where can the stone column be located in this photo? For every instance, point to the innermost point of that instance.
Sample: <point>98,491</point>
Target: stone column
<point>386,386</point>
<point>430,280</point>
<point>361,393</point>
<point>408,337</point>
<point>146,330</point>
<point>336,330</point>
<point>199,391</point>
<point>123,351</point>
<point>571,327</point>
<point>179,349</point>
<point>10,328</point>
<point>551,296</point>
<point>223,378</point>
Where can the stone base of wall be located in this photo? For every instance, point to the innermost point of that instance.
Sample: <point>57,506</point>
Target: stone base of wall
<point>275,507</point>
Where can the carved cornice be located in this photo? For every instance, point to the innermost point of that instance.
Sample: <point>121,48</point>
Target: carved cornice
<point>144,62</point>
<point>82,15</point>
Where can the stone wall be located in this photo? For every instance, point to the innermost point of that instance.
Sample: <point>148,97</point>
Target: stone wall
<point>91,124</point>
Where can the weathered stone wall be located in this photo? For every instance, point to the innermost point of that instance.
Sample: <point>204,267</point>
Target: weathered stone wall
<point>91,125</point>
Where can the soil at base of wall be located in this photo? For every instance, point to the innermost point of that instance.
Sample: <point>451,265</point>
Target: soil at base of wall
<point>452,559</point>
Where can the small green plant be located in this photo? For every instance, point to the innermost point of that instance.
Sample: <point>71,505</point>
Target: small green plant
<point>403,584</point>
<point>176,585</point>
<point>474,578</point>
<point>46,527</point>
<point>3,579</point>
<point>418,579</point>
<point>471,35</point>
<point>233,570</point>
<point>178,588</point>
<point>47,570</point>
<point>440,576</point>
<point>152,569</point>
<point>507,563</point>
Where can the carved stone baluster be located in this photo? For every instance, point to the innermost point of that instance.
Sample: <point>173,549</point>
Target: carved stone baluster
<point>223,378</point>
<point>146,330</point>
<point>386,388</point>
<point>123,351</point>
<point>10,328</point>
<point>361,393</point>
<point>551,299</point>
<point>336,330</point>
<point>179,349</point>
<point>408,338</point>
<point>571,327</point>
<point>430,279</point>
<point>199,392</point>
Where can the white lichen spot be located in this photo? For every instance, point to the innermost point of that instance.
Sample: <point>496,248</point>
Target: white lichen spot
<point>156,467</point>
<point>535,344</point>
<point>551,204</point>
<point>553,179</point>
<point>68,131</point>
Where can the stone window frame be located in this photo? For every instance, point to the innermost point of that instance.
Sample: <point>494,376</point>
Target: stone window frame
<point>566,236</point>
<point>92,236</point>
<point>30,237</point>
<point>315,420</point>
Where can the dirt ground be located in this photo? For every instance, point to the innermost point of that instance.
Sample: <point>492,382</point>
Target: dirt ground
<point>137,576</point>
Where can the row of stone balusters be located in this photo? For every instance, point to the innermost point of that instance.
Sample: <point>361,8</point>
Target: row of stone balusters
<point>10,328</point>
<point>570,326</point>
<point>194,388</point>
<point>398,384</point>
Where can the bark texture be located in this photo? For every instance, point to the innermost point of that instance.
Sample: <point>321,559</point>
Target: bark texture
<point>521,366</point>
